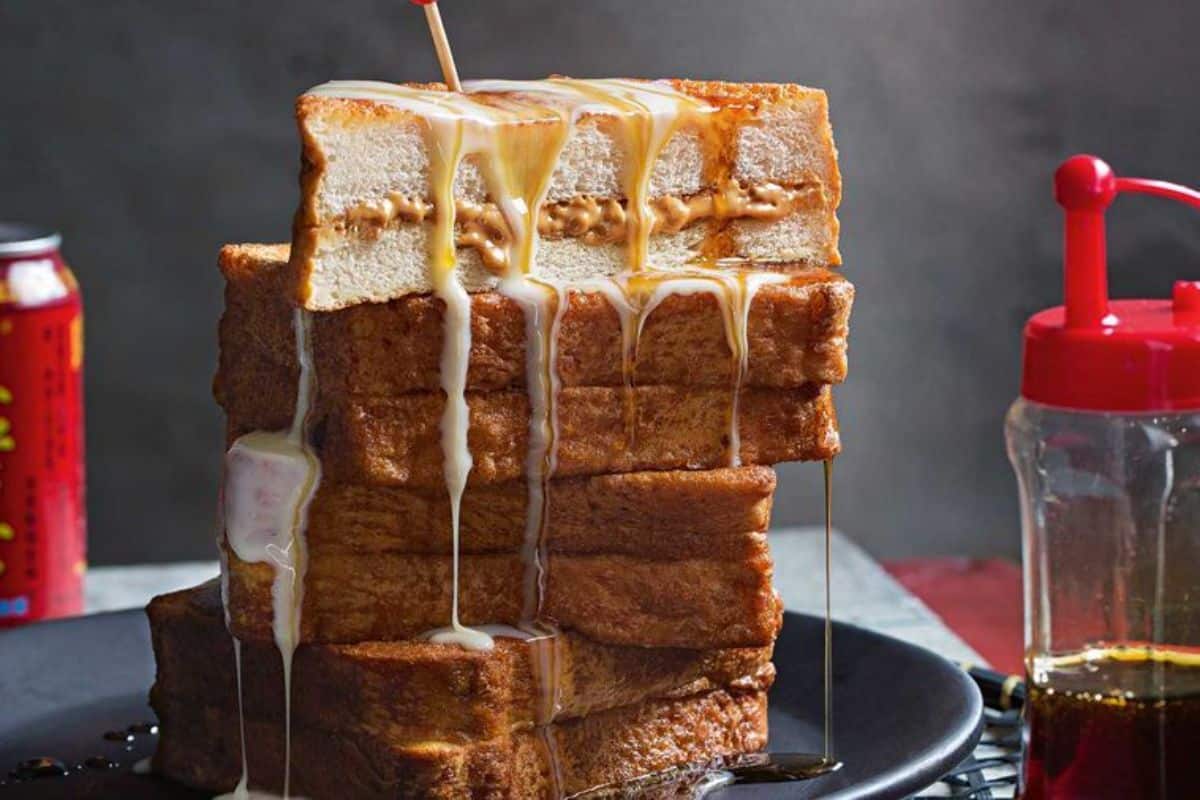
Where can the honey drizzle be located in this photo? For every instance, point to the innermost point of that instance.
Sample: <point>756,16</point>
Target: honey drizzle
<point>734,293</point>
<point>828,663</point>
<point>543,306</point>
<point>651,115</point>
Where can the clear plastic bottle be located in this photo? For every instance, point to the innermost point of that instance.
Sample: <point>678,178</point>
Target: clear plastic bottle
<point>1111,518</point>
<point>1105,441</point>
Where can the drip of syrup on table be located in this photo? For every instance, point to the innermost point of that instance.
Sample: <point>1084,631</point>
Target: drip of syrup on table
<point>696,782</point>
<point>49,767</point>
<point>36,768</point>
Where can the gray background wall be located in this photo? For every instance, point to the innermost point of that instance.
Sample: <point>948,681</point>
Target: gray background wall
<point>153,132</point>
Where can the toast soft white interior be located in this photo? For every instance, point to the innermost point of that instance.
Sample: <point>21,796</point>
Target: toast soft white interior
<point>364,156</point>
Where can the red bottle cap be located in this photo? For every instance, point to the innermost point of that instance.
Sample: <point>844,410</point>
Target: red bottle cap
<point>1098,354</point>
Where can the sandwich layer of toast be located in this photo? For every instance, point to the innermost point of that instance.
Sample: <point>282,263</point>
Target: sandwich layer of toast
<point>727,171</point>
<point>697,601</point>
<point>417,690</point>
<point>651,515</point>
<point>414,719</point>
<point>396,441</point>
<point>795,334</point>
<point>200,746</point>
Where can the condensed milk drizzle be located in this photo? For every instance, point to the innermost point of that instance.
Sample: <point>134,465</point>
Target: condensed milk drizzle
<point>744,288</point>
<point>629,314</point>
<point>734,293</point>
<point>543,305</point>
<point>446,151</point>
<point>649,114</point>
<point>520,172</point>
<point>270,479</point>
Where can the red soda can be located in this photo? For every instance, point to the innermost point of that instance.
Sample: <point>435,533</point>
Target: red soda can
<point>43,522</point>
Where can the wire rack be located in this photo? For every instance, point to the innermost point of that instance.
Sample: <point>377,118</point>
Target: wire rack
<point>990,773</point>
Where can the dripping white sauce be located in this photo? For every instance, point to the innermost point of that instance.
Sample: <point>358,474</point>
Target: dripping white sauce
<point>447,145</point>
<point>270,479</point>
<point>734,293</point>
<point>457,460</point>
<point>744,289</point>
<point>493,630</point>
<point>617,294</point>
<point>542,308</point>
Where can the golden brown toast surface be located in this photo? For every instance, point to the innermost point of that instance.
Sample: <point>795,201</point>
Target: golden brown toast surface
<point>418,691</point>
<point>200,746</point>
<point>688,511</point>
<point>420,720</point>
<point>396,441</point>
<point>699,600</point>
<point>796,333</point>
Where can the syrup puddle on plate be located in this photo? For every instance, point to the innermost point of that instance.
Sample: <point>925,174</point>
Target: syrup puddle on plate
<point>46,767</point>
<point>697,781</point>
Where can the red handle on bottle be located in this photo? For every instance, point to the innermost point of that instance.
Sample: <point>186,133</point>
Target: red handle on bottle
<point>1085,187</point>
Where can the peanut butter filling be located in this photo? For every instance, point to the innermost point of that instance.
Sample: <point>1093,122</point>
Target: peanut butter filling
<point>593,220</point>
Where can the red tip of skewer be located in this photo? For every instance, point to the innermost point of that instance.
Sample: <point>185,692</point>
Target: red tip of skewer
<point>423,2</point>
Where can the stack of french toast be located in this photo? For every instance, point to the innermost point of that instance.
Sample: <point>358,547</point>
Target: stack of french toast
<point>501,422</point>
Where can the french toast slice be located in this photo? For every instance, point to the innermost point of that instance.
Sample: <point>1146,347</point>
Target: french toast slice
<point>199,746</point>
<point>689,511</point>
<point>413,719</point>
<point>795,333</point>
<point>396,441</point>
<point>698,600</point>
<point>746,171</point>
<point>418,691</point>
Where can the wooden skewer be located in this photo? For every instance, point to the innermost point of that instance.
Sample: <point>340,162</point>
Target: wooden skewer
<point>441,43</point>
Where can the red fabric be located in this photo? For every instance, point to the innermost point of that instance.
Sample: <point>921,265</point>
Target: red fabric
<point>980,600</point>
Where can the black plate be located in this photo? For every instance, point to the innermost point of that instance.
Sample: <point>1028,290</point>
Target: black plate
<point>902,716</point>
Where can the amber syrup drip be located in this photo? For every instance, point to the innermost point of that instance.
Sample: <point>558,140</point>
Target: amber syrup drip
<point>829,610</point>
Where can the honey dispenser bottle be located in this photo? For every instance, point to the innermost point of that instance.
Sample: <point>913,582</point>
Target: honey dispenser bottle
<point>1105,441</point>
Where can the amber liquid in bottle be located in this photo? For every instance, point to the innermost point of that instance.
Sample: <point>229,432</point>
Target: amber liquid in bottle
<point>1090,740</point>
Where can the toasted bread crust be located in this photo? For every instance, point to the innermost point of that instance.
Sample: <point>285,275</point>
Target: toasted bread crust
<point>783,130</point>
<point>696,601</point>
<point>702,511</point>
<point>796,334</point>
<point>419,691</point>
<point>414,719</point>
<point>200,747</point>
<point>733,103</point>
<point>653,561</point>
<point>395,441</point>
